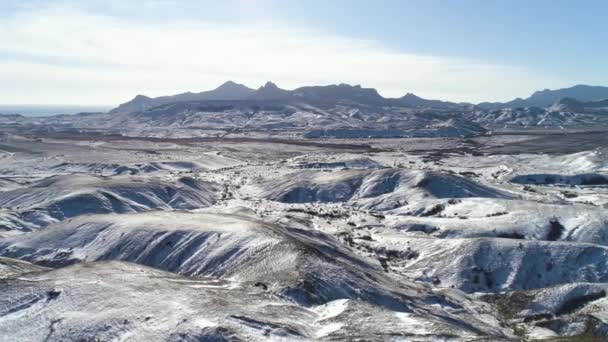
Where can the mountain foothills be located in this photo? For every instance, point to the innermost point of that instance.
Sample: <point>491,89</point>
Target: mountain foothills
<point>334,111</point>
<point>267,214</point>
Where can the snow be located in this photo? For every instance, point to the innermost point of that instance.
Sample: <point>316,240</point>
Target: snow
<point>285,117</point>
<point>411,239</point>
<point>60,197</point>
<point>555,116</point>
<point>384,189</point>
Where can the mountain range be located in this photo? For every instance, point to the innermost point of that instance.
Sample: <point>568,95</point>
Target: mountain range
<point>547,97</point>
<point>332,111</point>
<point>331,94</point>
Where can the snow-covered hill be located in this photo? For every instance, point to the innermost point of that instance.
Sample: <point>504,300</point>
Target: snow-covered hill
<point>381,189</point>
<point>563,113</point>
<point>95,301</point>
<point>61,197</point>
<point>287,117</point>
<point>306,267</point>
<point>425,239</point>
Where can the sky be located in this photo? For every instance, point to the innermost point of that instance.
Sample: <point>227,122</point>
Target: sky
<point>104,52</point>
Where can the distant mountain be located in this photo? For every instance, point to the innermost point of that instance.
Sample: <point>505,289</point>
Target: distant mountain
<point>331,111</point>
<point>342,92</point>
<point>328,95</point>
<point>578,105</point>
<point>568,104</point>
<point>227,91</point>
<point>139,103</point>
<point>412,100</point>
<point>269,91</point>
<point>546,98</point>
<point>582,93</point>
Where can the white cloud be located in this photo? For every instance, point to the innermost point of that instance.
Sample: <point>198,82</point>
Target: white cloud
<point>64,55</point>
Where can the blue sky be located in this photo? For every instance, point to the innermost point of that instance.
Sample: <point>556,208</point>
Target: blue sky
<point>105,52</point>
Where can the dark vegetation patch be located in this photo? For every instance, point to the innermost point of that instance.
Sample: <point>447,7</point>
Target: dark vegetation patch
<point>487,277</point>
<point>591,179</point>
<point>326,215</point>
<point>347,238</point>
<point>261,285</point>
<point>511,235</point>
<point>435,210</point>
<point>52,295</point>
<point>387,255</point>
<point>509,304</point>
<point>538,317</point>
<point>500,213</point>
<point>366,238</point>
<point>469,174</point>
<point>569,194</point>
<point>384,263</point>
<point>377,215</point>
<point>556,230</point>
<point>420,227</point>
